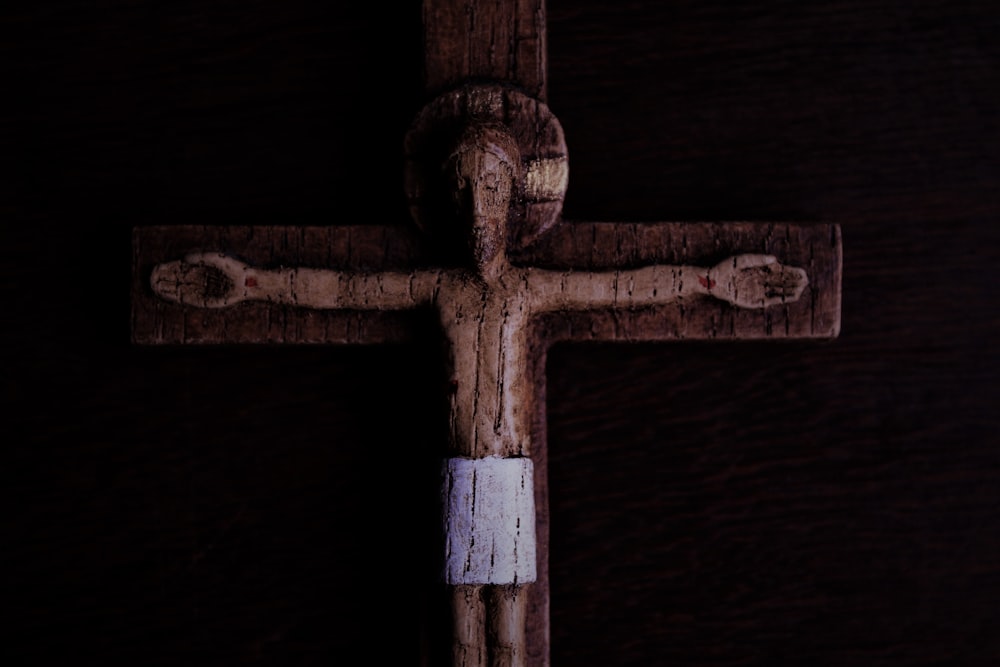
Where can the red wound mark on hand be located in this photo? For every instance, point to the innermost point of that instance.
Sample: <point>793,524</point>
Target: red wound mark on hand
<point>250,282</point>
<point>706,282</point>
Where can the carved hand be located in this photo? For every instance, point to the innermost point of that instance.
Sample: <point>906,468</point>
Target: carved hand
<point>756,281</point>
<point>203,280</point>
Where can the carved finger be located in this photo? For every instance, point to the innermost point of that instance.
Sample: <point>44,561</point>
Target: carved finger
<point>785,275</point>
<point>784,284</point>
<point>789,286</point>
<point>750,261</point>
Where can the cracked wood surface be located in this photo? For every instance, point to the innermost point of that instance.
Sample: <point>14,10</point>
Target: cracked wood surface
<point>513,349</point>
<point>465,40</point>
<point>809,500</point>
<point>486,316</point>
<point>579,246</point>
<point>486,322</point>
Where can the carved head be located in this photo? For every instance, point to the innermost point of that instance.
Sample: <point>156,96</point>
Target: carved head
<point>484,169</point>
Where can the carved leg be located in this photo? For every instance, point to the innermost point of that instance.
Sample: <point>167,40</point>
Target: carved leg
<point>469,629</point>
<point>507,610</point>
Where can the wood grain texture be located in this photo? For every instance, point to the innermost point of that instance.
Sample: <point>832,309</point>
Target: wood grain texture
<point>595,246</point>
<point>506,412</point>
<point>359,248</point>
<point>502,41</point>
<point>711,504</point>
<point>572,246</point>
<point>820,504</point>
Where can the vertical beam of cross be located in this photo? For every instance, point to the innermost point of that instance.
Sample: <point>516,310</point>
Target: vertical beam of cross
<point>485,177</point>
<point>471,40</point>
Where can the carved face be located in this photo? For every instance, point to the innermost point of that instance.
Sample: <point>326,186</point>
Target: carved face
<point>484,165</point>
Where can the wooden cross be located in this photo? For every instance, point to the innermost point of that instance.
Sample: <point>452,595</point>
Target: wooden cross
<point>504,277</point>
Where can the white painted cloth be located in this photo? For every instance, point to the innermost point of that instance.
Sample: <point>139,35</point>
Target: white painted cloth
<point>489,521</point>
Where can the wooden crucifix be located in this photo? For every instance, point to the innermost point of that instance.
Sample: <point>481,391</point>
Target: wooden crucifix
<point>488,255</point>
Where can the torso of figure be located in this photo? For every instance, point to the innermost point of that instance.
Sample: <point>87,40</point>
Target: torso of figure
<point>485,324</point>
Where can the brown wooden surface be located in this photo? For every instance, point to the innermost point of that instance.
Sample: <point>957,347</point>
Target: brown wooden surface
<point>350,248</point>
<point>504,41</point>
<point>580,246</point>
<point>745,503</point>
<point>571,245</point>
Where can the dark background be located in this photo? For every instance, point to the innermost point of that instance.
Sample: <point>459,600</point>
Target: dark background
<point>733,504</point>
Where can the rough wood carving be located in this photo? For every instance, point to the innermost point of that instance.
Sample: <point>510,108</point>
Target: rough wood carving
<point>485,313</point>
<point>505,277</point>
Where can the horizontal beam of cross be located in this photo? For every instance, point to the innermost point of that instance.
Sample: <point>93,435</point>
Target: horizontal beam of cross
<point>576,246</point>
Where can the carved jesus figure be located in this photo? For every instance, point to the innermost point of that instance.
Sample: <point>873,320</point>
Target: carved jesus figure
<point>484,311</point>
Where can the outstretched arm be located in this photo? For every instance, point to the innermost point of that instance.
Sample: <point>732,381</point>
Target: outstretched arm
<point>747,281</point>
<point>216,280</point>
